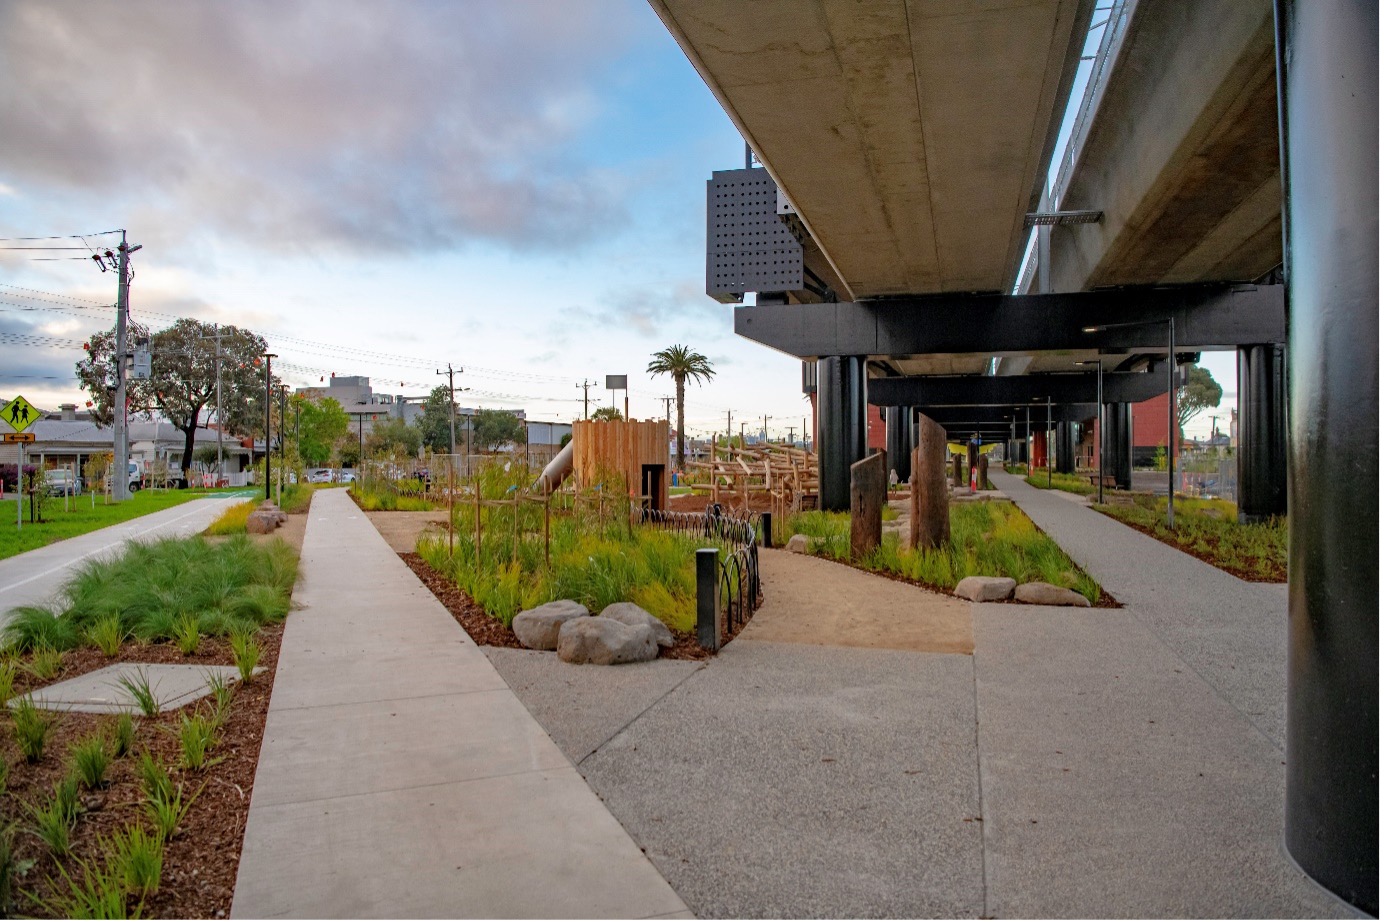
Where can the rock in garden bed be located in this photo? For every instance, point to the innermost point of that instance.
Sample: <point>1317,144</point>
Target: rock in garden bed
<point>538,627</point>
<point>1048,594</point>
<point>985,588</point>
<point>632,615</point>
<point>605,642</point>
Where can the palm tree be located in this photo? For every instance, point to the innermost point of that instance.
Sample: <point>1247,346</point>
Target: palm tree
<point>682,363</point>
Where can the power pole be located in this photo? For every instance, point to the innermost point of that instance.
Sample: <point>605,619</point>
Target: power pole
<point>668,408</point>
<point>121,485</point>
<point>452,402</point>
<point>728,455</point>
<point>585,386</point>
<point>766,428</point>
<point>792,441</point>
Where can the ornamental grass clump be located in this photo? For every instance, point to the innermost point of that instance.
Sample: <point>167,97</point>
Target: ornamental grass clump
<point>247,655</point>
<point>137,687</point>
<point>123,735</point>
<point>196,736</point>
<point>8,670</point>
<point>106,635</point>
<point>90,759</point>
<point>221,695</point>
<point>45,663</point>
<point>232,520</point>
<point>167,810</point>
<point>99,894</point>
<point>187,634</point>
<point>154,778</point>
<point>153,588</point>
<point>54,817</point>
<point>138,858</point>
<point>31,728</point>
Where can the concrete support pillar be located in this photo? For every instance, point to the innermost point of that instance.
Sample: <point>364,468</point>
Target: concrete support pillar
<point>1262,457</point>
<point>1064,449</point>
<point>1117,420</point>
<point>841,426</point>
<point>1328,53</point>
<point>898,440</point>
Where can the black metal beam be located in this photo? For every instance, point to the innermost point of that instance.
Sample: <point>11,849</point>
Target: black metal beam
<point>979,390</point>
<point>996,416</point>
<point>1221,317</point>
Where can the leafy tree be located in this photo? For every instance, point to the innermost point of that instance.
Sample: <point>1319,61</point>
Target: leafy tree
<point>393,433</point>
<point>609,414</point>
<point>435,425</point>
<point>681,363</point>
<point>321,425</point>
<point>183,383</point>
<point>494,428</point>
<point>1201,392</point>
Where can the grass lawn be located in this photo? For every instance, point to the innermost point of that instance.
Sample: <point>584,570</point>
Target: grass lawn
<point>82,517</point>
<point>988,538</point>
<point>1209,529</point>
<point>1068,483</point>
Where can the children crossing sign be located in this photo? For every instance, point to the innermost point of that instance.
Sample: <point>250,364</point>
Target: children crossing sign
<point>20,414</point>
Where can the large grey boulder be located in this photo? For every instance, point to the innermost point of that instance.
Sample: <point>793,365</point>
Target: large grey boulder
<point>605,642</point>
<point>985,588</point>
<point>634,616</point>
<point>538,627</point>
<point>1048,594</point>
<point>797,544</point>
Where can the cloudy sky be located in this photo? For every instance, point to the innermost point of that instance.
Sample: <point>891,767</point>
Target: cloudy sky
<point>517,188</point>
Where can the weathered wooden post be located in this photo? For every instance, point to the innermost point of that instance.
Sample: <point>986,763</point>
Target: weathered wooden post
<point>958,476</point>
<point>869,489</point>
<point>984,479</point>
<point>930,524</point>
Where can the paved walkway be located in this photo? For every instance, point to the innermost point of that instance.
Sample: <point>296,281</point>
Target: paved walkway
<point>400,777</point>
<point>34,577</point>
<point>1082,763</point>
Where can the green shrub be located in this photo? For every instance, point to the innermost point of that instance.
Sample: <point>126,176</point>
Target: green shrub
<point>31,728</point>
<point>90,759</point>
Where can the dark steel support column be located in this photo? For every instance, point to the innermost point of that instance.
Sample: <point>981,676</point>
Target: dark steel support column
<point>709,598</point>
<point>1262,457</point>
<point>1117,422</point>
<point>1328,54</point>
<point>841,423</point>
<point>1064,451</point>
<point>898,440</point>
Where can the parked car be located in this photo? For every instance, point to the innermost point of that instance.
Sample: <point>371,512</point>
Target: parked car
<point>61,481</point>
<point>322,476</point>
<point>136,478</point>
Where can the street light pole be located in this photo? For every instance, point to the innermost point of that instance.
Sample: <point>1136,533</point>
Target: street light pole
<point>269,358</point>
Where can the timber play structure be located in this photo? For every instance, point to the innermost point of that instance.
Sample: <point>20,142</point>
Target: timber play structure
<point>786,476</point>
<point>632,451</point>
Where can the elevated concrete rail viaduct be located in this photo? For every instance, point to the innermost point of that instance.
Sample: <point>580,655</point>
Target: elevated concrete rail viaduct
<point>1221,171</point>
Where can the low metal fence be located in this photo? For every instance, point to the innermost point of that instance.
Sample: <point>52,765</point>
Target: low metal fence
<point>728,585</point>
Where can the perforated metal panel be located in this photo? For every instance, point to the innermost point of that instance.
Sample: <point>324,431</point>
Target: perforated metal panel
<point>748,248</point>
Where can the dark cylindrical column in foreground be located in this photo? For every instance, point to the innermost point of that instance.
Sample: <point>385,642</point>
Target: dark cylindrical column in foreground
<point>898,440</point>
<point>1262,457</point>
<point>1064,449</point>
<point>1328,58</point>
<point>1117,421</point>
<point>841,425</point>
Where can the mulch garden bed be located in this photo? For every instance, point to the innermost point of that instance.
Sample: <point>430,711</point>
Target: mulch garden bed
<point>489,632</point>
<point>200,862</point>
<point>1278,569</point>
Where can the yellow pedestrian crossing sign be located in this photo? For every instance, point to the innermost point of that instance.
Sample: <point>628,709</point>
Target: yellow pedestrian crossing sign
<point>20,414</point>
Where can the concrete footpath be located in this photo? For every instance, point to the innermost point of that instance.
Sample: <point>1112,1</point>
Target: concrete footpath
<point>34,577</point>
<point>400,777</point>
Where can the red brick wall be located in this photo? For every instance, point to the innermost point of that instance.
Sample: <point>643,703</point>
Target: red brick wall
<point>1151,424</point>
<point>875,436</point>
